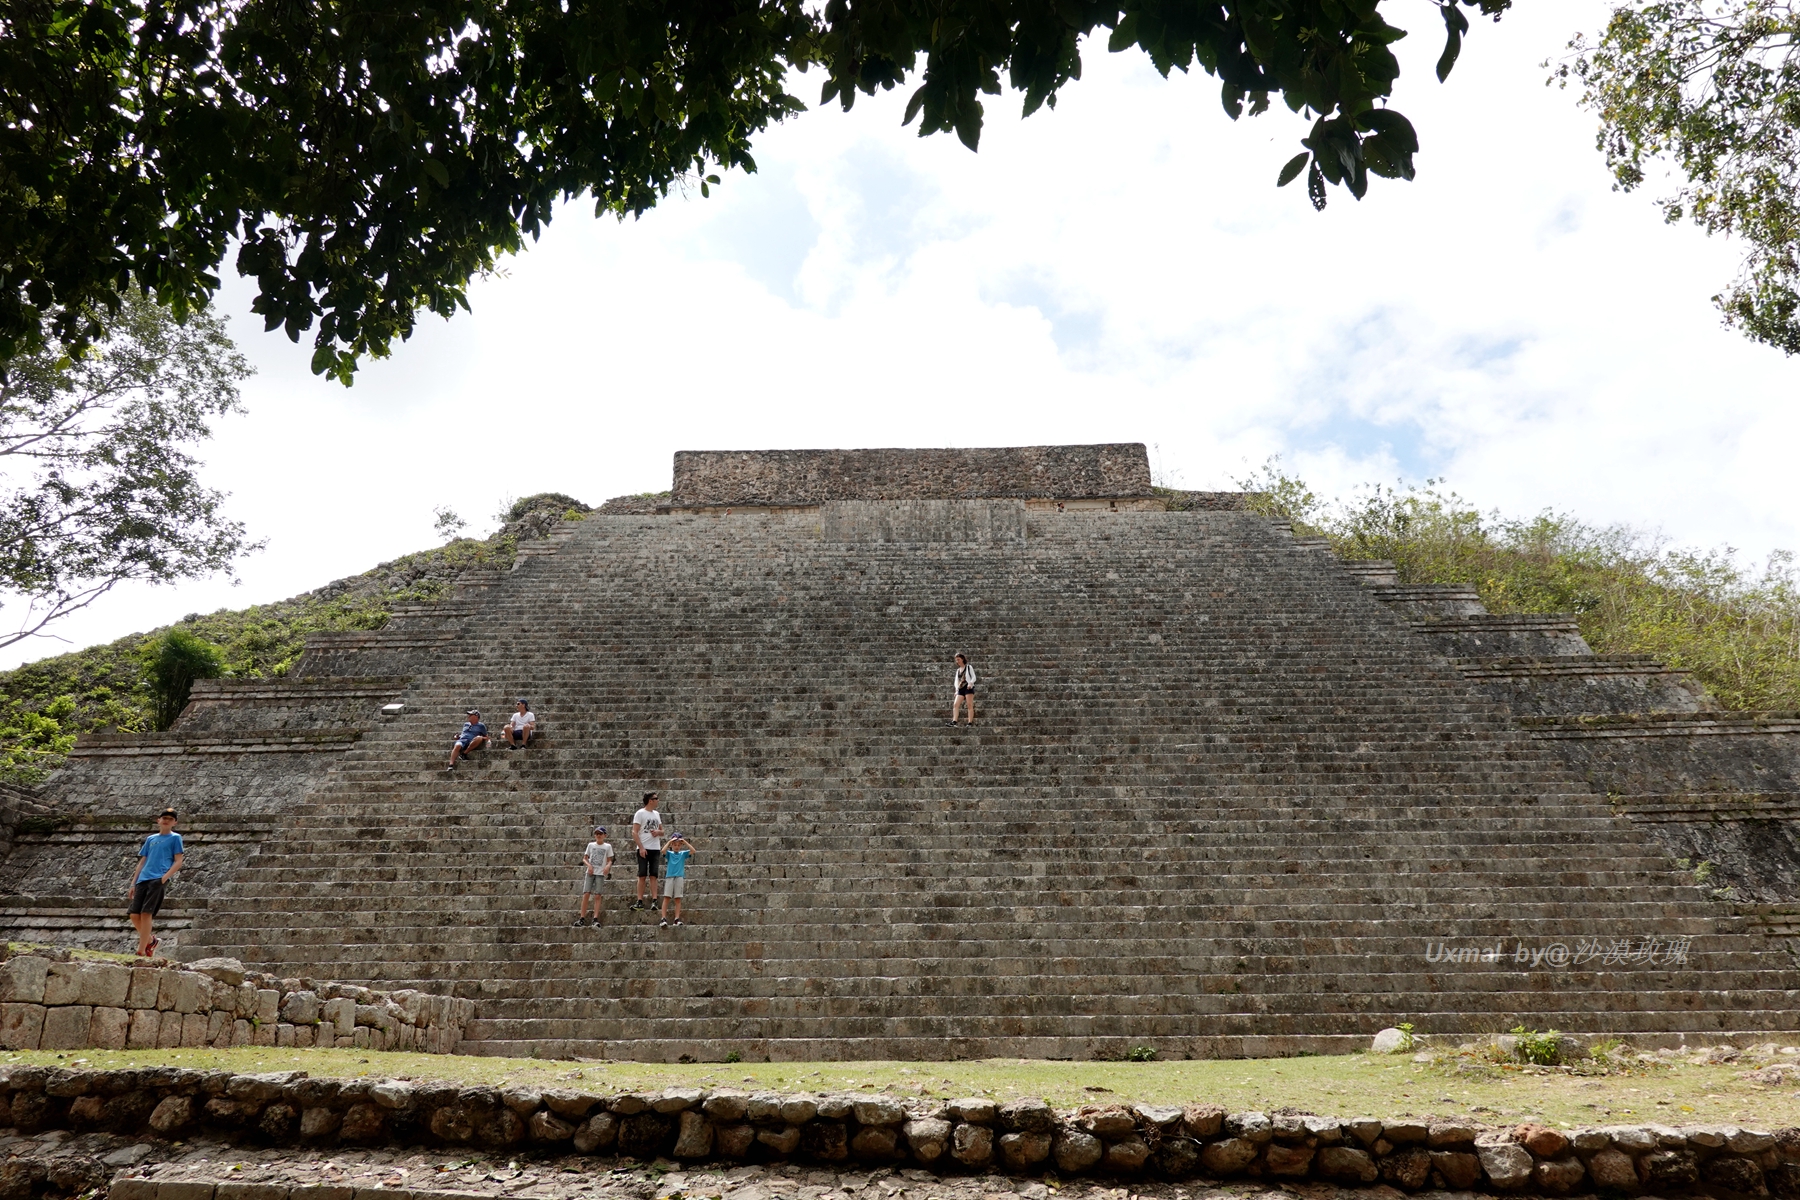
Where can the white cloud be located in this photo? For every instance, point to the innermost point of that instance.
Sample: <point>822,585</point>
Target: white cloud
<point>1121,268</point>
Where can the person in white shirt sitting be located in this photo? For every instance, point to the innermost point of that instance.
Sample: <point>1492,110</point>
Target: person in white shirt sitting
<point>520,726</point>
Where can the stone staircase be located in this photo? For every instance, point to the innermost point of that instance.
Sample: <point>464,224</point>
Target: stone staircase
<point>1225,797</point>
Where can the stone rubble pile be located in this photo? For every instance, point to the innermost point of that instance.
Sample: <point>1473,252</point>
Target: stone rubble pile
<point>55,1002</point>
<point>978,1134</point>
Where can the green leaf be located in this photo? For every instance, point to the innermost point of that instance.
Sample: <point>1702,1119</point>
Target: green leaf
<point>1294,166</point>
<point>436,170</point>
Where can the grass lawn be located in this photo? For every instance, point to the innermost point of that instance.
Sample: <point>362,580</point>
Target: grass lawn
<point>1672,1092</point>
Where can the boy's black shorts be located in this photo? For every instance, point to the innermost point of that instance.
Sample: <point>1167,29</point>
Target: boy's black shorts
<point>648,863</point>
<point>146,897</point>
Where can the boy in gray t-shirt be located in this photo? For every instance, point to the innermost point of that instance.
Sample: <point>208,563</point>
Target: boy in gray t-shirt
<point>596,863</point>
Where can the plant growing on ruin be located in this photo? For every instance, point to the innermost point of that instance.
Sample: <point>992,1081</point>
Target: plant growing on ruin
<point>1543,1049</point>
<point>1141,1054</point>
<point>172,664</point>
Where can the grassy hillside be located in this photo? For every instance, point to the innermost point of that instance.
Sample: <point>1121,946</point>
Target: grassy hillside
<point>44,704</point>
<point>1736,628</point>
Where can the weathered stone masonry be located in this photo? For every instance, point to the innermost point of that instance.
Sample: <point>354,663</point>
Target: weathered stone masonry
<point>977,1134</point>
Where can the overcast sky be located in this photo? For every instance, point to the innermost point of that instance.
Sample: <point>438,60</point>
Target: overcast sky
<point>1119,269</point>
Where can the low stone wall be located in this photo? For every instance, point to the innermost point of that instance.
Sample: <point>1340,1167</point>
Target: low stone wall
<point>705,478</point>
<point>1021,1137</point>
<point>49,1002</point>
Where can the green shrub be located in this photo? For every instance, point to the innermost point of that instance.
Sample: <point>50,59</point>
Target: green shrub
<point>171,665</point>
<point>1141,1054</point>
<point>1544,1049</point>
<point>1737,629</point>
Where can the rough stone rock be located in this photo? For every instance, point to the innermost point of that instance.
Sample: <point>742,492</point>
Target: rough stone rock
<point>631,1104</point>
<point>645,1135</point>
<point>798,1110</point>
<point>66,1028</point>
<point>1541,1140</point>
<point>500,1128</point>
<point>1508,1165</point>
<point>84,1113</point>
<point>1077,1150</point>
<point>21,1026</point>
<point>221,1110</point>
<point>1031,1116</point>
<point>877,1110</point>
<point>104,985</point>
<point>1229,1156</point>
<point>1109,1123</point>
<point>228,971</point>
<point>340,1013</point>
<point>724,1106</point>
<point>1441,1134</point>
<point>674,1100</point>
<point>694,1138</point>
<point>1784,1180</point>
<point>975,1111</point>
<point>1176,1157</point>
<point>1329,1131</point>
<point>264,1087</point>
<point>1203,1120</point>
<point>1254,1126</point>
<point>362,1123</point>
<point>172,1114</point>
<point>545,1127</point>
<point>1632,1138</point>
<point>733,1141</point>
<point>1128,1155</point>
<point>1390,1041</point>
<point>451,1123</point>
<point>764,1106</point>
<point>1023,1148</point>
<point>782,1141</point>
<point>1408,1170</point>
<point>1559,1176</point>
<point>109,1028</point>
<point>31,1111</point>
<point>835,1108</point>
<point>927,1138</point>
<point>22,979</point>
<point>277,1122</point>
<point>1667,1170</point>
<point>572,1105</point>
<point>1733,1174</point>
<point>1364,1129</point>
<point>598,1132</point>
<point>1589,1141</point>
<point>826,1141</point>
<point>1345,1164</point>
<point>146,1024</point>
<point>876,1143</point>
<point>973,1145</point>
<point>300,1008</point>
<point>1461,1169</point>
<point>63,985</point>
<point>1157,1116</point>
<point>522,1100</point>
<point>1406,1133</point>
<point>1749,1141</point>
<point>1283,1159</point>
<point>145,985</point>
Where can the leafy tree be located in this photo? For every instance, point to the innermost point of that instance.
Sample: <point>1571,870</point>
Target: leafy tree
<point>371,156</point>
<point>97,484</point>
<point>172,664</point>
<point>1712,86</point>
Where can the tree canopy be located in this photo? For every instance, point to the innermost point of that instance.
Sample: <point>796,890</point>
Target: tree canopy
<point>1713,88</point>
<point>97,484</point>
<point>369,157</point>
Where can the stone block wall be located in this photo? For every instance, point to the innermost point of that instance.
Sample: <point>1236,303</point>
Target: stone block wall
<point>240,705</point>
<point>922,521</point>
<point>706,478</point>
<point>53,1002</point>
<point>972,1135</point>
<point>1661,754</point>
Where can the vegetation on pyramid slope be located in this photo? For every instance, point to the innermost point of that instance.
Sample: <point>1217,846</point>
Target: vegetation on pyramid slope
<point>1736,628</point>
<point>44,704</point>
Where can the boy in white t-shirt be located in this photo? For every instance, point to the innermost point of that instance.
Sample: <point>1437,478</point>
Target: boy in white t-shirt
<point>597,865</point>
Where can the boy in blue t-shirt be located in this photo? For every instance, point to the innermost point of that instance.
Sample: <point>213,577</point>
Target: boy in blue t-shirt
<point>158,859</point>
<point>675,863</point>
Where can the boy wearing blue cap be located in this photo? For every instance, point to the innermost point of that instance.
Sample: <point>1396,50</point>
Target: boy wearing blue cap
<point>675,864</point>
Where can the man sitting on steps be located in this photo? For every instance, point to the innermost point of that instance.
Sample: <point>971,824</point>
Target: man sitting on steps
<point>520,726</point>
<point>473,737</point>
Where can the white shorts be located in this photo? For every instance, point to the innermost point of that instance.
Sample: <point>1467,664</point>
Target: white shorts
<point>675,887</point>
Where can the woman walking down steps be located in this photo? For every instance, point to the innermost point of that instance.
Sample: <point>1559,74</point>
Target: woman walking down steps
<point>962,691</point>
